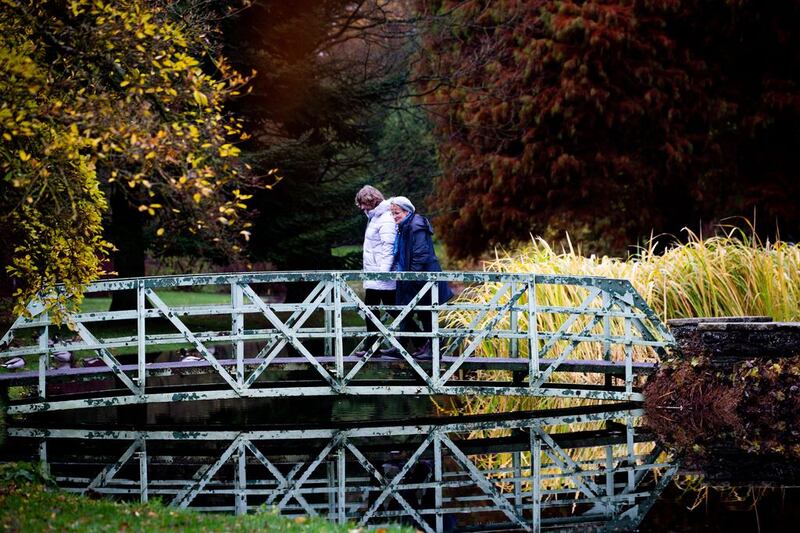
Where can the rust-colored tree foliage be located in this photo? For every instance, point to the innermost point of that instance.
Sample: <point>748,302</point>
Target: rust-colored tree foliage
<point>611,118</point>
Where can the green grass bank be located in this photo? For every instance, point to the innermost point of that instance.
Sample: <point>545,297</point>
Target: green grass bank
<point>28,504</point>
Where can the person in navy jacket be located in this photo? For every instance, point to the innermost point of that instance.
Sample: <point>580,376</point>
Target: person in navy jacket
<point>413,252</point>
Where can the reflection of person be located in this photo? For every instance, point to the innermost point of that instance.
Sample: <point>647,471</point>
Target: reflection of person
<point>378,252</point>
<point>413,252</point>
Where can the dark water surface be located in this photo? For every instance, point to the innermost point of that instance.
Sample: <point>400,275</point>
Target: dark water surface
<point>394,460</point>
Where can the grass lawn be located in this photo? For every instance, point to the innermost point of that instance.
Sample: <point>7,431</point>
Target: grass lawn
<point>33,506</point>
<point>99,304</point>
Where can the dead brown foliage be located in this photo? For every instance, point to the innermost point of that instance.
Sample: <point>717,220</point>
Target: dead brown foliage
<point>690,406</point>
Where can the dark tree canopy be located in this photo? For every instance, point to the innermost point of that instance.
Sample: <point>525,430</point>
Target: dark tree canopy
<point>612,119</point>
<point>329,110</point>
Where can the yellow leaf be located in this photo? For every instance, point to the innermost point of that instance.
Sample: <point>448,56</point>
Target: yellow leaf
<point>160,232</point>
<point>200,98</point>
<point>197,197</point>
<point>24,155</point>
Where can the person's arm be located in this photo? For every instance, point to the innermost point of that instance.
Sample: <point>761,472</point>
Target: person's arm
<point>387,232</point>
<point>419,251</point>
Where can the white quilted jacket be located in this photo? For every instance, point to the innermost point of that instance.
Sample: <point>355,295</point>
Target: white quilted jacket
<point>379,245</point>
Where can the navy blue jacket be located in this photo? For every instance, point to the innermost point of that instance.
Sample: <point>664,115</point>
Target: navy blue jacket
<point>415,253</point>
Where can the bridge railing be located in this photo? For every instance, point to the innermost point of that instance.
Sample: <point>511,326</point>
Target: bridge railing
<point>602,327</point>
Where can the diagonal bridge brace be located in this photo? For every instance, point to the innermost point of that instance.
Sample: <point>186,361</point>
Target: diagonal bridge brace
<point>484,484</point>
<point>289,335</point>
<point>109,359</point>
<point>108,473</point>
<point>184,497</point>
<point>283,481</point>
<point>369,467</point>
<point>482,335</point>
<point>568,466</point>
<point>558,335</point>
<point>295,322</point>
<point>391,487</point>
<point>187,333</point>
<point>388,333</point>
<point>294,486</point>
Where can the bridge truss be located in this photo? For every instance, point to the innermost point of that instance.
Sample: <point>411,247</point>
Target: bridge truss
<point>256,345</point>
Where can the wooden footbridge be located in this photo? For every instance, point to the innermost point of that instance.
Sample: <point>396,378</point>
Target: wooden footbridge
<point>587,468</point>
<point>593,342</point>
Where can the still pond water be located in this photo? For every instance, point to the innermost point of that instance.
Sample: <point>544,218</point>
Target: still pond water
<point>594,468</point>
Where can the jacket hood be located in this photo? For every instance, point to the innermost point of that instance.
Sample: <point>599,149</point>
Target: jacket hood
<point>379,209</point>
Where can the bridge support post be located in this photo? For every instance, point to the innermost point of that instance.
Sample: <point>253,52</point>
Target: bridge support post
<point>141,350</point>
<point>606,303</point>
<point>328,324</point>
<point>240,480</point>
<point>437,476</point>
<point>143,478</point>
<point>44,357</point>
<point>435,343</point>
<point>518,377</point>
<point>237,329</point>
<point>533,335</point>
<point>536,475</point>
<point>337,325</point>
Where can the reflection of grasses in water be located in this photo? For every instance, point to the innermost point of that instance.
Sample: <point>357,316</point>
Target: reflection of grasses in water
<point>696,488</point>
<point>589,458</point>
<point>729,275</point>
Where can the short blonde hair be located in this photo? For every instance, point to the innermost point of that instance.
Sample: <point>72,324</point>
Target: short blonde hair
<point>368,196</point>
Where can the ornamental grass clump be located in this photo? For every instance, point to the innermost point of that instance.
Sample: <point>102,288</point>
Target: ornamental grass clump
<point>734,274</point>
<point>731,274</point>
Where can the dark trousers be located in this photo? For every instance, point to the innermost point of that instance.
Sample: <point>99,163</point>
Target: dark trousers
<point>378,297</point>
<point>425,322</point>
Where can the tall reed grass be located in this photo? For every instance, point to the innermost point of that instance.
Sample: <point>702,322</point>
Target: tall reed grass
<point>733,274</point>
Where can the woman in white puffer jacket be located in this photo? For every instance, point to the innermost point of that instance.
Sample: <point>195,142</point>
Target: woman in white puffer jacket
<point>378,251</point>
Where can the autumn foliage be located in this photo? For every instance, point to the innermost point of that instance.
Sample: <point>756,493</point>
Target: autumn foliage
<point>103,96</point>
<point>611,118</point>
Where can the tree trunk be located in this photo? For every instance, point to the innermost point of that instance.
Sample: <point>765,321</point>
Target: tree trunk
<point>125,232</point>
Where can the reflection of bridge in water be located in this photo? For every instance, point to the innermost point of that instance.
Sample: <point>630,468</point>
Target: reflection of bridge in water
<point>590,468</point>
<point>587,346</point>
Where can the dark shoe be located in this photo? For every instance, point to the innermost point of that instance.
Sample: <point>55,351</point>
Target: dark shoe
<point>392,353</point>
<point>424,352</point>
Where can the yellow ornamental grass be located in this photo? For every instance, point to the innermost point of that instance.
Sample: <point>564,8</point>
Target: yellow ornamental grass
<point>732,274</point>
